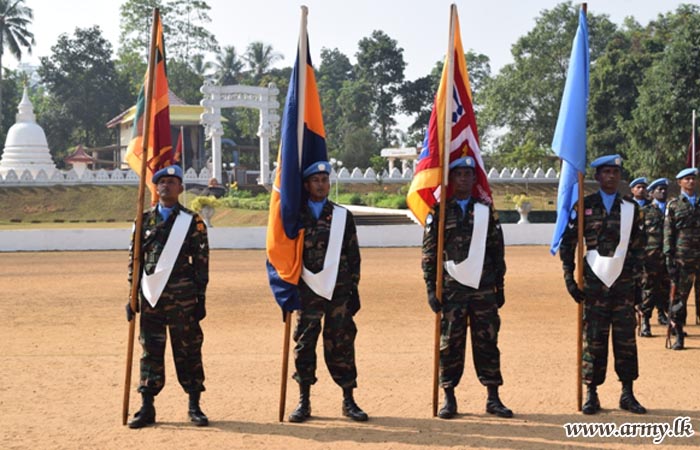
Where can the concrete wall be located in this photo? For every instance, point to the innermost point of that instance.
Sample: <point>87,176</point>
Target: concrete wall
<point>241,237</point>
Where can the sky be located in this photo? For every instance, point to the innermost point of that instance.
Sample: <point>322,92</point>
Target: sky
<point>420,27</point>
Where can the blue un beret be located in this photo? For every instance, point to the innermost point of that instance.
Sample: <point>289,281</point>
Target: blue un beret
<point>640,180</point>
<point>170,171</point>
<point>690,171</point>
<point>607,160</point>
<point>465,161</point>
<point>317,167</point>
<point>658,182</point>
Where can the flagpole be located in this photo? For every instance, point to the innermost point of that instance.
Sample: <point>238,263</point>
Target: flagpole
<point>181,139</point>
<point>444,175</point>
<point>579,282</point>
<point>692,140</point>
<point>136,263</point>
<point>301,96</point>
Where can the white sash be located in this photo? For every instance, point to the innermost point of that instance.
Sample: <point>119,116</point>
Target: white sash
<point>152,285</point>
<point>323,282</point>
<point>609,268</point>
<point>468,272</point>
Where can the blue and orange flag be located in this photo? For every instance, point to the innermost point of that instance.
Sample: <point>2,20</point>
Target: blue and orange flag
<point>303,142</point>
<point>424,191</point>
<point>160,148</point>
<point>569,142</point>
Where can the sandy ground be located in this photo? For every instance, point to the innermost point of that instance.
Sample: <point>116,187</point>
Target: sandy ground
<point>63,343</point>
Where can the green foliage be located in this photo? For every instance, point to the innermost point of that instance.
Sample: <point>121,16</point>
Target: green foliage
<point>15,18</point>
<point>260,57</point>
<point>184,82</point>
<point>201,201</point>
<point>246,201</point>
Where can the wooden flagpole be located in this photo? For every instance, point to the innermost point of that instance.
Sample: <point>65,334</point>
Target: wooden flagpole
<point>136,263</point>
<point>692,140</point>
<point>444,175</point>
<point>181,139</point>
<point>301,104</point>
<point>579,282</point>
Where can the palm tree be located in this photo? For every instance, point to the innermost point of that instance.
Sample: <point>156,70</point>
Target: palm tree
<point>228,66</point>
<point>199,66</point>
<point>14,19</point>
<point>260,57</point>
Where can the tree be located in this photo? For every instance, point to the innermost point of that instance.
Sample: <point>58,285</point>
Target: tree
<point>381,65</point>
<point>184,81</point>
<point>522,102</point>
<point>659,133</point>
<point>15,18</point>
<point>228,66</point>
<point>12,85</point>
<point>135,25</point>
<point>334,70</point>
<point>84,87</point>
<point>260,57</point>
<point>199,66</point>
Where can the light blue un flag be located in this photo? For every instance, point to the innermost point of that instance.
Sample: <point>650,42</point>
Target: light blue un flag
<point>569,141</point>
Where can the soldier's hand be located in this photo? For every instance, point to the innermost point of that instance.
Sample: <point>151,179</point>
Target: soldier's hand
<point>500,296</point>
<point>433,301</point>
<point>129,312</point>
<point>574,291</point>
<point>200,310</point>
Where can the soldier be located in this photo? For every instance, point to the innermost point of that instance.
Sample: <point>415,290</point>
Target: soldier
<point>656,283</point>
<point>472,288</point>
<point>328,291</point>
<point>614,235</point>
<point>682,248</point>
<point>175,255</point>
<point>638,186</point>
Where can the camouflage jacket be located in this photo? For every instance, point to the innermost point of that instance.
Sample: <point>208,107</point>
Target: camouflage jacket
<point>190,273</point>
<point>458,236</point>
<point>682,231</point>
<point>316,235</point>
<point>602,233</point>
<point>654,228</point>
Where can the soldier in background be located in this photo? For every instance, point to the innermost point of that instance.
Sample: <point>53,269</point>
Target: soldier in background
<point>473,245</point>
<point>656,282</point>
<point>682,249</point>
<point>638,186</point>
<point>175,243</point>
<point>614,236</point>
<point>329,296</point>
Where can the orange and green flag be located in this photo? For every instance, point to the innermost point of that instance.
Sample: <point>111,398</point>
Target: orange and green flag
<point>160,148</point>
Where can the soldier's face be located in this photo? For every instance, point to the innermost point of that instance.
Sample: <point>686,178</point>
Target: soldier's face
<point>169,189</point>
<point>639,191</point>
<point>687,184</point>
<point>660,193</point>
<point>462,180</point>
<point>317,185</point>
<point>608,177</point>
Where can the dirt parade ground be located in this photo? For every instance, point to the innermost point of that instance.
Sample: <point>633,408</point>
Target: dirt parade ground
<point>63,344</point>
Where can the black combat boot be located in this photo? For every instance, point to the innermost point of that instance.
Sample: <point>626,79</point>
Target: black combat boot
<point>646,328</point>
<point>662,317</point>
<point>494,405</point>
<point>592,404</point>
<point>146,415</point>
<point>680,339</point>
<point>350,408</point>
<point>449,409</point>
<point>196,415</point>
<point>627,400</point>
<point>303,409</point>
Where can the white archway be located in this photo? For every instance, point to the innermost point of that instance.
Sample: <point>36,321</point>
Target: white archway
<point>261,98</point>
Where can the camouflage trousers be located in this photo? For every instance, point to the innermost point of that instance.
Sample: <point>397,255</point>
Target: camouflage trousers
<point>687,277</point>
<point>656,287</point>
<point>339,333</point>
<point>609,308</point>
<point>177,316</point>
<point>481,309</point>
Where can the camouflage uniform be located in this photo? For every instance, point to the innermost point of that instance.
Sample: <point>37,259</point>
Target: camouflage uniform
<point>656,282</point>
<point>605,306</point>
<point>459,301</point>
<point>682,249</point>
<point>176,306</point>
<point>339,328</point>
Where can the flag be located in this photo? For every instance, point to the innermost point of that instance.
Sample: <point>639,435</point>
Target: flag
<point>160,149</point>
<point>425,186</point>
<point>302,142</point>
<point>569,142</point>
<point>177,156</point>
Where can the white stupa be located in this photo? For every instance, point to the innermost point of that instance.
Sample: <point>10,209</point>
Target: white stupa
<point>25,146</point>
